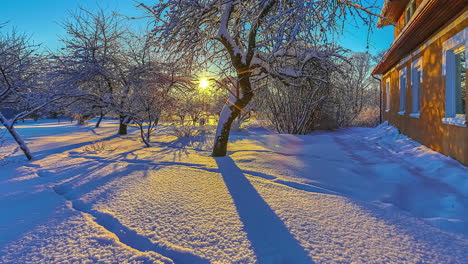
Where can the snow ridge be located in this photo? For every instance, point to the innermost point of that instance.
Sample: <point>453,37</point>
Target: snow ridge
<point>130,237</point>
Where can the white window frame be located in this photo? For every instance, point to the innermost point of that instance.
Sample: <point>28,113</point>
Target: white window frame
<point>411,12</point>
<point>403,75</point>
<point>448,63</point>
<point>387,95</point>
<point>416,67</point>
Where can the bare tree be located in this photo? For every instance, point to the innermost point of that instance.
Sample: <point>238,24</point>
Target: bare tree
<point>150,97</point>
<point>23,83</point>
<point>352,84</point>
<point>95,61</point>
<point>293,109</point>
<point>151,82</point>
<point>248,36</point>
<point>18,65</point>
<point>191,105</point>
<point>149,101</point>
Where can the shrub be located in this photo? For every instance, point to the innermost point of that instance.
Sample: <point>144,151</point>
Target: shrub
<point>368,117</point>
<point>184,131</point>
<point>98,147</point>
<point>199,138</point>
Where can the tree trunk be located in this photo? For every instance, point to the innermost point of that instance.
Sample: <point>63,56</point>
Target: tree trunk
<point>11,129</point>
<point>148,132</point>
<point>81,120</point>
<point>122,126</point>
<point>229,113</point>
<point>222,132</point>
<point>151,128</point>
<point>101,116</point>
<point>142,135</point>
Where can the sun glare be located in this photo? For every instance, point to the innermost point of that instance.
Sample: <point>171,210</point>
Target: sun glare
<point>204,83</point>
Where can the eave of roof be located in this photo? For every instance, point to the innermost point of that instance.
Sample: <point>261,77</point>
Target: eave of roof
<point>434,15</point>
<point>391,12</point>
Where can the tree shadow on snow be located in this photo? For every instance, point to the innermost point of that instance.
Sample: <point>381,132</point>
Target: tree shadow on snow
<point>46,152</point>
<point>270,239</point>
<point>95,185</point>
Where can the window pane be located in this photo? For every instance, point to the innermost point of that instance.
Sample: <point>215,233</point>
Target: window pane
<point>419,90</point>
<point>416,90</point>
<point>460,82</point>
<point>388,96</point>
<point>402,93</point>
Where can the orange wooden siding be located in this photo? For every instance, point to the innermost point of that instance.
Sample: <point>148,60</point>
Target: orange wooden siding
<point>450,140</point>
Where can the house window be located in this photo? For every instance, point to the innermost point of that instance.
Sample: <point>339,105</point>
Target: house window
<point>402,91</point>
<point>454,69</point>
<point>460,83</point>
<point>416,81</point>
<point>387,94</point>
<point>409,12</point>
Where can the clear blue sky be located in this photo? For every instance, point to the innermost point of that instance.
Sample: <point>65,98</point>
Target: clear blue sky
<point>41,18</point>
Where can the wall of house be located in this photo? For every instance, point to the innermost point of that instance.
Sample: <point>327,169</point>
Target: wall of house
<point>400,24</point>
<point>429,130</point>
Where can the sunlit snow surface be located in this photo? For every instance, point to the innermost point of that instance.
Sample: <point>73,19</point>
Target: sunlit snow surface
<point>355,195</point>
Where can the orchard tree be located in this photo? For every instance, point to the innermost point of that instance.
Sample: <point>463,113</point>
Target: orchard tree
<point>151,84</point>
<point>94,61</point>
<point>252,38</point>
<point>192,105</point>
<point>149,80</point>
<point>23,83</point>
<point>18,63</point>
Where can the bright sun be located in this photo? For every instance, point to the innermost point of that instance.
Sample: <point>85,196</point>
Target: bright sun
<point>204,83</point>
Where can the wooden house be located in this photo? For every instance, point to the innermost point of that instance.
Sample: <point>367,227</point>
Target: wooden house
<point>424,73</point>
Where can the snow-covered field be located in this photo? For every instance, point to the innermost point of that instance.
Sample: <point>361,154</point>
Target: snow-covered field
<point>357,195</point>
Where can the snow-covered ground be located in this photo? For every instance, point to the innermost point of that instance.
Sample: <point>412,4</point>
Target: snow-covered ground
<point>357,195</point>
